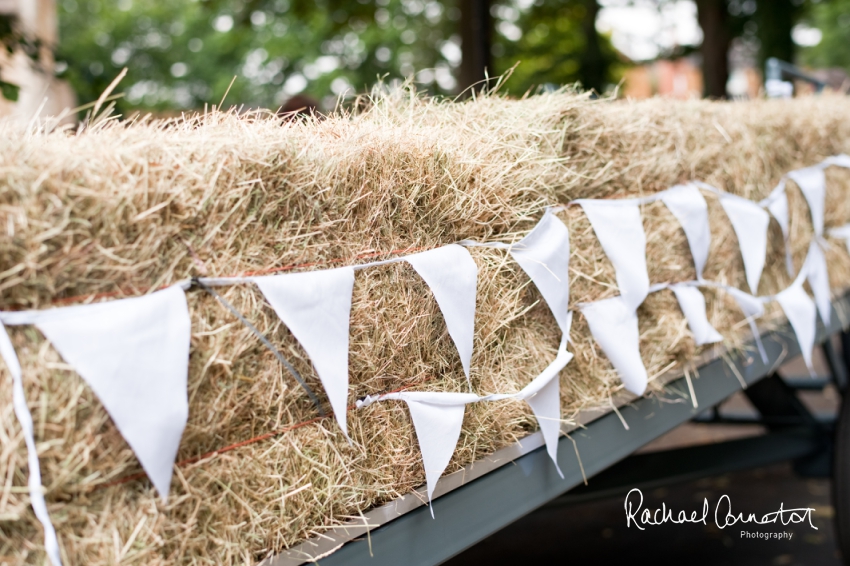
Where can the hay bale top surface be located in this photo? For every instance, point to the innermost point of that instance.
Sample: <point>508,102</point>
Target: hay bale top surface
<point>124,208</point>
<point>249,193</point>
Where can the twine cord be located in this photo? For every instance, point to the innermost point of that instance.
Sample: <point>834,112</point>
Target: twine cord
<point>266,271</point>
<point>264,340</point>
<point>369,399</point>
<point>258,438</point>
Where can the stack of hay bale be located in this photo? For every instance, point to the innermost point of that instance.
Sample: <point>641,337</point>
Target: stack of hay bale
<point>124,208</point>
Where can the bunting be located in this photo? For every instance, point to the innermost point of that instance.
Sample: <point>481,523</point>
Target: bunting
<point>619,229</point>
<point>750,222</point>
<point>316,307</point>
<point>544,255</point>
<point>438,417</point>
<point>753,308</point>
<point>812,183</point>
<point>818,277</point>
<point>134,352</point>
<point>614,325</point>
<point>688,205</point>
<point>692,304</point>
<point>777,204</point>
<point>22,412</point>
<point>801,313</point>
<point>452,275</point>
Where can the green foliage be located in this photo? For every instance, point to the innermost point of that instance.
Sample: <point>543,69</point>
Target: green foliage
<point>832,17</point>
<point>9,91</point>
<point>560,45</point>
<point>184,53</point>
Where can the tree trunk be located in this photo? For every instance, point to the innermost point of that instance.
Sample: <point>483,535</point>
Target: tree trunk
<point>712,17</point>
<point>775,19</point>
<point>475,40</point>
<point>593,66</point>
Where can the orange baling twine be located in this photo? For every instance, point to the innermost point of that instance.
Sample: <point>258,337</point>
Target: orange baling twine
<point>267,435</point>
<point>240,444</point>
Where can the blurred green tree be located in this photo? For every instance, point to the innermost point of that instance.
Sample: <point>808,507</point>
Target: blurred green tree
<point>556,43</point>
<point>183,53</point>
<point>832,18</point>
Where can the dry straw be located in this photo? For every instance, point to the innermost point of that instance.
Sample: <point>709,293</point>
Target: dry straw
<point>126,207</point>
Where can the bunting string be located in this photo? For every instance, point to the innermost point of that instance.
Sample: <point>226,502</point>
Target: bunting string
<point>134,352</point>
<point>265,342</point>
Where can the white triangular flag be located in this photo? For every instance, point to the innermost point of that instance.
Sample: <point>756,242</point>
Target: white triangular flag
<point>841,160</point>
<point>688,205</point>
<point>452,275</point>
<point>750,222</point>
<point>619,229</point>
<point>752,308</point>
<point>134,353</point>
<point>693,306</point>
<point>614,326</point>
<point>543,395</point>
<point>818,276</point>
<point>801,313</point>
<point>36,491</point>
<point>544,255</point>
<point>437,419</point>
<point>316,307</point>
<point>777,204</point>
<point>812,183</point>
<point>842,232</point>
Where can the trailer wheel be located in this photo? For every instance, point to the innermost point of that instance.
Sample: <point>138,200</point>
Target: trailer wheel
<point>841,481</point>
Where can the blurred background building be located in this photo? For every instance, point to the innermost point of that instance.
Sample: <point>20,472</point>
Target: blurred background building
<point>183,54</point>
<point>28,31</point>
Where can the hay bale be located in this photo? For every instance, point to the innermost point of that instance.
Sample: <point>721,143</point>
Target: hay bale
<point>124,208</point>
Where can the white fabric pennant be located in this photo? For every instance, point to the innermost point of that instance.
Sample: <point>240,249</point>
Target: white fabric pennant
<point>36,491</point>
<point>841,160</point>
<point>544,255</point>
<point>752,308</point>
<point>777,204</point>
<point>750,222</point>
<point>614,325</point>
<point>619,228</point>
<point>134,354</point>
<point>802,314</point>
<point>842,232</point>
<point>437,419</point>
<point>437,429</point>
<point>812,183</point>
<point>543,395</point>
<point>688,205</point>
<point>818,276</point>
<point>692,303</point>
<point>316,307</point>
<point>452,275</point>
